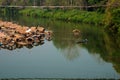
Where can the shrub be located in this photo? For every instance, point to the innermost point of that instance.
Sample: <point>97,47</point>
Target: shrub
<point>67,15</point>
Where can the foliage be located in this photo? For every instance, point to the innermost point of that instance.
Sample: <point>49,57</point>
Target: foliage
<point>112,21</point>
<point>51,2</point>
<point>67,15</point>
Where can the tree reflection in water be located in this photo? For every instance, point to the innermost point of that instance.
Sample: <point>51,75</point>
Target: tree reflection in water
<point>99,42</point>
<point>71,53</point>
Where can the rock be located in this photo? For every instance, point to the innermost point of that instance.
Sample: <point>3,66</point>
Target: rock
<point>76,32</point>
<point>1,44</point>
<point>13,34</point>
<point>82,41</point>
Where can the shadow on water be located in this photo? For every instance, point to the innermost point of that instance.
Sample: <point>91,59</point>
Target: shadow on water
<point>64,40</point>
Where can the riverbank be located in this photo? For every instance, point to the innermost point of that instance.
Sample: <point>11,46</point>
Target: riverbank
<point>73,15</point>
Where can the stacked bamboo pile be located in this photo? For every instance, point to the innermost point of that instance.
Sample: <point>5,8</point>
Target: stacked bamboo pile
<point>13,36</point>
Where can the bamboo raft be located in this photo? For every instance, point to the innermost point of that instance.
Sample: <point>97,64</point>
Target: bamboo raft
<point>14,36</point>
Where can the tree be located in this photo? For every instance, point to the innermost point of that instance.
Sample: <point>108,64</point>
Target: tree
<point>112,21</point>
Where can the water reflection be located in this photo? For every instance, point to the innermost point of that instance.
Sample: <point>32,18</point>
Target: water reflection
<point>71,53</point>
<point>41,63</point>
<point>64,40</point>
<point>98,58</point>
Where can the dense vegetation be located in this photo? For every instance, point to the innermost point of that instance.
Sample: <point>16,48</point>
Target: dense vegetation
<point>113,15</point>
<point>88,15</point>
<point>112,19</point>
<point>73,15</point>
<point>52,2</point>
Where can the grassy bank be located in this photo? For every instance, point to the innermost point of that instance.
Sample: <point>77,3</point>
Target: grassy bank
<point>73,15</point>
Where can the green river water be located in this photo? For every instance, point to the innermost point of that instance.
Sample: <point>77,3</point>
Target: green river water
<point>62,57</point>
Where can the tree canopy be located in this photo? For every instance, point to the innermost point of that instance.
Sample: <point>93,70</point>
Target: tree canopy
<point>52,2</point>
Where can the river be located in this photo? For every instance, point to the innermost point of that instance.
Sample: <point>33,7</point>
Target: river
<point>62,57</point>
